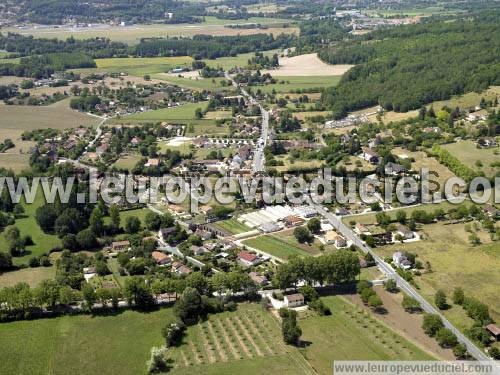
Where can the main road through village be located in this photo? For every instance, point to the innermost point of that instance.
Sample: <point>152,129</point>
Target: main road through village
<point>258,166</point>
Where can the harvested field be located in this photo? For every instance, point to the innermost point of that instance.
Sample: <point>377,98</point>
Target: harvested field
<point>56,116</point>
<point>307,65</point>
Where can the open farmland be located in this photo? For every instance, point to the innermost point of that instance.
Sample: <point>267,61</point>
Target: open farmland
<point>56,116</point>
<point>240,60</point>
<point>469,154</point>
<point>192,82</point>
<point>286,84</point>
<point>133,34</point>
<point>116,343</point>
<point>307,65</point>
<point>456,263</point>
<point>183,112</point>
<point>247,341</point>
<point>143,65</point>
<point>32,276</point>
<point>352,334</point>
<point>233,226</point>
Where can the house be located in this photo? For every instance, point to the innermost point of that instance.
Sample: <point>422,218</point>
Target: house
<point>269,227</point>
<point>161,258</point>
<point>181,269</point>
<point>152,163</point>
<point>258,279</point>
<point>198,250</point>
<point>340,241</point>
<point>165,233</point>
<point>361,229</point>
<point>400,260</point>
<point>248,259</point>
<point>200,142</point>
<point>342,211</point>
<point>135,141</point>
<point>203,234</point>
<point>294,300</point>
<point>120,246</point>
<point>494,330</point>
<point>485,142</point>
<point>244,152</point>
<point>370,155</point>
<point>394,169</point>
<point>293,221</point>
<point>491,211</point>
<point>405,232</point>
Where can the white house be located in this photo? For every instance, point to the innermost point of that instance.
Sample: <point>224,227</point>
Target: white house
<point>294,300</point>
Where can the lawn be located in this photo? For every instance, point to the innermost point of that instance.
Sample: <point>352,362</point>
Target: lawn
<point>233,226</point>
<point>32,276</point>
<point>282,245</point>
<point>469,154</point>
<point>456,263</point>
<point>28,225</point>
<point>295,83</point>
<point>352,334</point>
<point>247,341</point>
<point>82,344</point>
<point>127,161</point>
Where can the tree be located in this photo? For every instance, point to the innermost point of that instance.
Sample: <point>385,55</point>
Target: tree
<point>410,304</point>
<point>96,223</point>
<point>391,286</point>
<point>460,351</point>
<point>314,225</point>
<point>401,216</point>
<point>431,324</point>
<point>458,296</point>
<point>189,306</point>
<point>302,235</point>
<point>66,296</point>
<point>446,338</point>
<point>440,300</point>
<point>495,353</point>
<point>89,295</point>
<point>137,293</point>
<point>86,239</point>
<point>199,282</point>
<point>152,221</point>
<point>114,214</point>
<point>5,261</point>
<point>173,332</point>
<point>375,302</point>
<point>289,327</point>
<point>132,225</point>
<point>157,362</point>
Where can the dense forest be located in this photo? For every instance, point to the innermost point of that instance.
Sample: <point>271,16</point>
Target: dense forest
<point>58,11</point>
<point>44,66</point>
<point>405,67</point>
<point>19,45</point>
<point>211,47</point>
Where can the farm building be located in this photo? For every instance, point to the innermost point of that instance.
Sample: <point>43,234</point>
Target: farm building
<point>294,300</point>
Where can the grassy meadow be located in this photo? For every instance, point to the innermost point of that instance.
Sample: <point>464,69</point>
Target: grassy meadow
<point>456,263</point>
<point>81,344</point>
<point>470,155</point>
<point>142,66</point>
<point>233,226</point>
<point>295,83</point>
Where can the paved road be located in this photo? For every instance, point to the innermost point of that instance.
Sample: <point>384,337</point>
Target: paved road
<point>258,156</point>
<point>403,284</point>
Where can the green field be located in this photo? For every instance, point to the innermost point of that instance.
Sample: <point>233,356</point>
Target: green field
<point>194,84</point>
<point>32,276</point>
<point>81,344</point>
<point>141,66</point>
<point>352,334</point>
<point>281,245</point>
<point>184,112</point>
<point>456,263</point>
<point>28,225</point>
<point>233,226</point>
<point>469,154</point>
<point>293,83</point>
<point>240,60</point>
<point>127,161</point>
